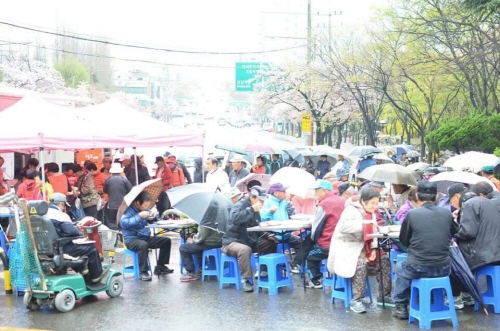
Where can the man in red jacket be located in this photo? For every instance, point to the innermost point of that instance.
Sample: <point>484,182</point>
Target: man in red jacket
<point>328,211</point>
<point>163,172</point>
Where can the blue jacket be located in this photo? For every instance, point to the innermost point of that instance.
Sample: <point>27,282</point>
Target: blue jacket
<point>323,168</point>
<point>365,163</point>
<point>133,226</point>
<point>281,213</point>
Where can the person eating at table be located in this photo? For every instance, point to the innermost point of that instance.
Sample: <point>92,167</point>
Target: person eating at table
<point>426,231</point>
<point>277,208</point>
<point>316,245</point>
<point>138,238</point>
<point>239,243</point>
<point>350,252</point>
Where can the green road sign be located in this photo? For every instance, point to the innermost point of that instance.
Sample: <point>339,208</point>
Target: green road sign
<point>248,74</point>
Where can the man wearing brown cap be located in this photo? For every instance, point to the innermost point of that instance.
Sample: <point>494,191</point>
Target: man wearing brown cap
<point>426,231</point>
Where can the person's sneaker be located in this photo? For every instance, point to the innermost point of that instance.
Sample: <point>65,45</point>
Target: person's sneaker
<point>190,277</point>
<point>162,270</point>
<point>314,283</point>
<point>400,312</point>
<point>468,300</point>
<point>357,306</point>
<point>246,286</point>
<point>459,304</point>
<point>387,301</point>
<point>294,268</point>
<point>145,276</point>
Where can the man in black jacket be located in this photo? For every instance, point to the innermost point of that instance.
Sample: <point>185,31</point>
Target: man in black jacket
<point>238,242</point>
<point>478,234</point>
<point>427,232</point>
<point>65,228</point>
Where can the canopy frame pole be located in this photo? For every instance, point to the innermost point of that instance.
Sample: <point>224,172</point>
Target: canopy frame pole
<point>136,168</point>
<point>44,194</point>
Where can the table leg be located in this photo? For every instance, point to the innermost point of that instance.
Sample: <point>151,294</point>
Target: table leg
<point>379,249</point>
<point>302,262</point>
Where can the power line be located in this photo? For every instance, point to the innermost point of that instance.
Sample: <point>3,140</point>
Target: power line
<point>132,60</point>
<point>145,47</point>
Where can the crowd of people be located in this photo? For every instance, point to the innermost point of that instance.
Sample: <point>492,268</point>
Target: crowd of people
<point>342,215</point>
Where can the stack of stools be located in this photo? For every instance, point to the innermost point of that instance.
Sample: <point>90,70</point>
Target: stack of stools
<point>492,294</point>
<point>278,271</point>
<point>342,289</point>
<point>211,263</point>
<point>134,268</point>
<point>425,311</point>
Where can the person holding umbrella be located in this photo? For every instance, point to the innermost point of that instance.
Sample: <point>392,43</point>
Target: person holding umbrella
<point>428,251</point>
<point>138,238</point>
<point>479,231</point>
<point>238,242</point>
<point>323,167</point>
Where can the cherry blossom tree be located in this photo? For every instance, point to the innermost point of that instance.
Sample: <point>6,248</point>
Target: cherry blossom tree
<point>297,89</point>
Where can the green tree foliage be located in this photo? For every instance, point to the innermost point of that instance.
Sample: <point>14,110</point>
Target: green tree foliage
<point>72,71</point>
<point>474,132</point>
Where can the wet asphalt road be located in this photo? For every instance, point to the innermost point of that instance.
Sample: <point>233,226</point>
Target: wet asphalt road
<point>168,304</point>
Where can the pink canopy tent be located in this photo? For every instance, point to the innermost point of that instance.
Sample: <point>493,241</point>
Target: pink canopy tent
<point>33,124</point>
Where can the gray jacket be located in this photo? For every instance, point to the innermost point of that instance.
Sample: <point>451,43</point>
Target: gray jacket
<point>479,232</point>
<point>117,188</point>
<point>207,236</point>
<point>234,177</point>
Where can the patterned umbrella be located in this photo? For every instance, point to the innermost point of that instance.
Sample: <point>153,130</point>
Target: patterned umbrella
<point>154,187</point>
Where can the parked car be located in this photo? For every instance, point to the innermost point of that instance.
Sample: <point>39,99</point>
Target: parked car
<point>268,127</point>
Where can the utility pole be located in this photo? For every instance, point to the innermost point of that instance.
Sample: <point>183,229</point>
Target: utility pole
<point>309,60</point>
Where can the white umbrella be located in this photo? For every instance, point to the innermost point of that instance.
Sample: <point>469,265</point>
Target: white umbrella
<point>299,181</point>
<point>385,159</point>
<point>418,166</point>
<point>448,178</point>
<point>391,173</point>
<point>471,160</point>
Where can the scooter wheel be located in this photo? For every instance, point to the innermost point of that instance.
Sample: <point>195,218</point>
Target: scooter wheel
<point>116,287</point>
<point>30,302</point>
<point>65,301</point>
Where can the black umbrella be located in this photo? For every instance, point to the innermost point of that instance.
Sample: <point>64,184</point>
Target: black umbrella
<point>179,193</point>
<point>460,271</point>
<point>295,155</point>
<point>209,209</point>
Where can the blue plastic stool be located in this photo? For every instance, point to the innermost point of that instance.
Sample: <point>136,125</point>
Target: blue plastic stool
<point>230,274</point>
<point>425,311</point>
<point>342,289</point>
<point>134,268</point>
<point>492,294</point>
<point>393,257</point>
<point>3,242</point>
<point>276,277</point>
<point>281,248</point>
<point>327,276</point>
<point>211,263</point>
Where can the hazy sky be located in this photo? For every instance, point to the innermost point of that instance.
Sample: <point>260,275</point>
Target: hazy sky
<point>199,25</point>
